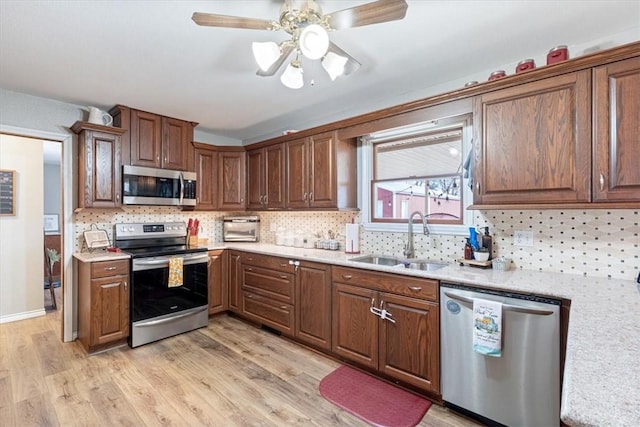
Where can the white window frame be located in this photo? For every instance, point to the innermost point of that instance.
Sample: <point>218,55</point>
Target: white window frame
<point>365,166</point>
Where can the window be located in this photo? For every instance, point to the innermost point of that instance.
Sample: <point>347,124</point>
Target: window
<point>417,168</point>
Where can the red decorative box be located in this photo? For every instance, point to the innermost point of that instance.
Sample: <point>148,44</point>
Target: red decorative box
<point>557,54</point>
<point>497,75</point>
<point>525,65</point>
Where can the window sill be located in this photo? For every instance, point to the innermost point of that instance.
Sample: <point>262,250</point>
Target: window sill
<point>434,229</point>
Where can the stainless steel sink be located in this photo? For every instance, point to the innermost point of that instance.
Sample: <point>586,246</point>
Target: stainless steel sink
<point>378,259</point>
<point>412,263</point>
<point>426,265</point>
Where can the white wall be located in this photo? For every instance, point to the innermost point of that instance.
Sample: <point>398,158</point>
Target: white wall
<point>51,196</point>
<point>21,239</point>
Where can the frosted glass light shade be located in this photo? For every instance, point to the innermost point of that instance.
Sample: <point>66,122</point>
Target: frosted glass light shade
<point>265,53</point>
<point>334,64</point>
<point>292,77</point>
<point>314,41</point>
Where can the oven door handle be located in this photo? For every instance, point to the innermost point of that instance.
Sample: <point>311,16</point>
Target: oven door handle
<point>164,262</point>
<point>172,318</point>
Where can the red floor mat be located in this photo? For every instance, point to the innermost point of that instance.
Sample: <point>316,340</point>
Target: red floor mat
<point>375,401</point>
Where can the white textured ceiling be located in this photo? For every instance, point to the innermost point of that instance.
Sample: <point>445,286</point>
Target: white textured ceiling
<point>150,55</point>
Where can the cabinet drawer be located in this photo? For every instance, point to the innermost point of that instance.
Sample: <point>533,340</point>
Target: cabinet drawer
<point>266,261</point>
<point>271,283</point>
<point>269,312</point>
<point>109,268</point>
<point>397,284</point>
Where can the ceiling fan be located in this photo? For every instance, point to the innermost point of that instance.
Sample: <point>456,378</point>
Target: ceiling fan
<point>308,27</point>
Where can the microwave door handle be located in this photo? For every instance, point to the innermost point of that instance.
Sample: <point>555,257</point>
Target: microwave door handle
<point>181,188</point>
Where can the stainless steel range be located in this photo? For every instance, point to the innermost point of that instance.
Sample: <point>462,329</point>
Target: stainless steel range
<point>158,308</point>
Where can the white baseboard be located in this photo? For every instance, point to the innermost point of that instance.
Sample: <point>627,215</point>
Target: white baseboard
<point>22,316</point>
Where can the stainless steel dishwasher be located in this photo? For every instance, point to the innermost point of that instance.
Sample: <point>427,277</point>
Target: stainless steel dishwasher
<point>520,388</point>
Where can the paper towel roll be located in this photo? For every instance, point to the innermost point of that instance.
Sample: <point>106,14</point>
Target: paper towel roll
<point>352,239</point>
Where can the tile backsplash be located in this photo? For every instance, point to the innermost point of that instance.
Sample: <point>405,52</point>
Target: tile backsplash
<point>599,243</point>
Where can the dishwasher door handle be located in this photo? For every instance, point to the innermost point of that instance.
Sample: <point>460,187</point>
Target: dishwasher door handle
<point>505,307</point>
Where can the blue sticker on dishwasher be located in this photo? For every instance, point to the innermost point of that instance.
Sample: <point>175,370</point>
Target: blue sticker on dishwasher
<point>453,307</point>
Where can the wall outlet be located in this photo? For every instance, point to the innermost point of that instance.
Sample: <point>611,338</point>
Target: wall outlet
<point>523,238</point>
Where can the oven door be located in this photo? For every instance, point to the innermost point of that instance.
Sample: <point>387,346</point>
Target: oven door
<point>151,295</point>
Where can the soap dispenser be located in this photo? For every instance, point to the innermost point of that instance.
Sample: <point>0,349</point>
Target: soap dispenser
<point>487,241</point>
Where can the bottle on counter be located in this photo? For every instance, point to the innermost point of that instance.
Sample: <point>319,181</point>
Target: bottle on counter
<point>487,241</point>
<point>468,250</point>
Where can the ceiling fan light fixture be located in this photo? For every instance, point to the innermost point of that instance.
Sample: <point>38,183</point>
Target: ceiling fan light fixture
<point>265,54</point>
<point>292,76</point>
<point>334,64</point>
<point>314,41</point>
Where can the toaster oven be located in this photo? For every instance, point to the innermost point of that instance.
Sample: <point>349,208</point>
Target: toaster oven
<point>240,228</point>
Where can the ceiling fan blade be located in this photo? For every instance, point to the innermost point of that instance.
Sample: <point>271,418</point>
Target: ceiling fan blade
<point>352,64</point>
<point>213,20</point>
<point>286,51</point>
<point>367,14</point>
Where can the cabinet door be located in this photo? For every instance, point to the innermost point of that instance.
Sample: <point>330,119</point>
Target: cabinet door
<point>146,139</point>
<point>313,304</point>
<point>175,142</point>
<point>354,327</point>
<point>231,184</point>
<point>297,174</point>
<point>207,176</point>
<point>99,178</point>
<point>255,179</point>
<point>410,348</point>
<point>274,176</point>
<point>109,309</point>
<point>235,275</point>
<point>616,174</point>
<point>322,176</point>
<point>218,300</point>
<point>533,142</point>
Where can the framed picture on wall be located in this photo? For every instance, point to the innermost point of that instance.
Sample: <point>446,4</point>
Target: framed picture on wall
<point>51,223</point>
<point>7,192</point>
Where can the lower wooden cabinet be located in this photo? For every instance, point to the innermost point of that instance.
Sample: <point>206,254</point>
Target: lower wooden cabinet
<point>313,304</point>
<point>218,300</point>
<point>268,291</point>
<point>103,303</point>
<point>234,277</point>
<point>406,348</point>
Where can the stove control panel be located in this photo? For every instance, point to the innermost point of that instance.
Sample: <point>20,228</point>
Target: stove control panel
<point>145,230</point>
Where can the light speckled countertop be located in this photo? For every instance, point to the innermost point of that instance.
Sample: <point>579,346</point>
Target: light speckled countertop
<point>602,367</point>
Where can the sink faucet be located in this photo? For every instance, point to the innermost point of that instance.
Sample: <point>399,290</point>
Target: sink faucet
<point>409,250</point>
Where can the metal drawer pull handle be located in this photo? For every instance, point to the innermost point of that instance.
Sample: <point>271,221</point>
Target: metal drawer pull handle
<point>110,268</point>
<point>601,182</point>
<point>347,276</point>
<point>283,277</point>
<point>283,307</point>
<point>415,288</point>
<point>284,265</point>
<point>249,269</point>
<point>250,259</point>
<point>125,284</point>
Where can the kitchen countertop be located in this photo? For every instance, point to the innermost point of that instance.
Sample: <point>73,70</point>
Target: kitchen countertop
<point>101,255</point>
<point>602,371</point>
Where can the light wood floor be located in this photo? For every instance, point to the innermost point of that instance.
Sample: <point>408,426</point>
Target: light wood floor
<point>228,374</point>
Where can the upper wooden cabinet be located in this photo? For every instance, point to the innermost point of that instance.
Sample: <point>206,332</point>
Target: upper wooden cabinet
<point>99,156</point>
<point>533,142</point>
<point>266,177</point>
<point>206,165</point>
<point>153,140</point>
<point>231,179</point>
<point>321,172</point>
<point>616,175</point>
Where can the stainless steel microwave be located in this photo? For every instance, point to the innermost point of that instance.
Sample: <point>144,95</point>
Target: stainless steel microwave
<point>159,187</point>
